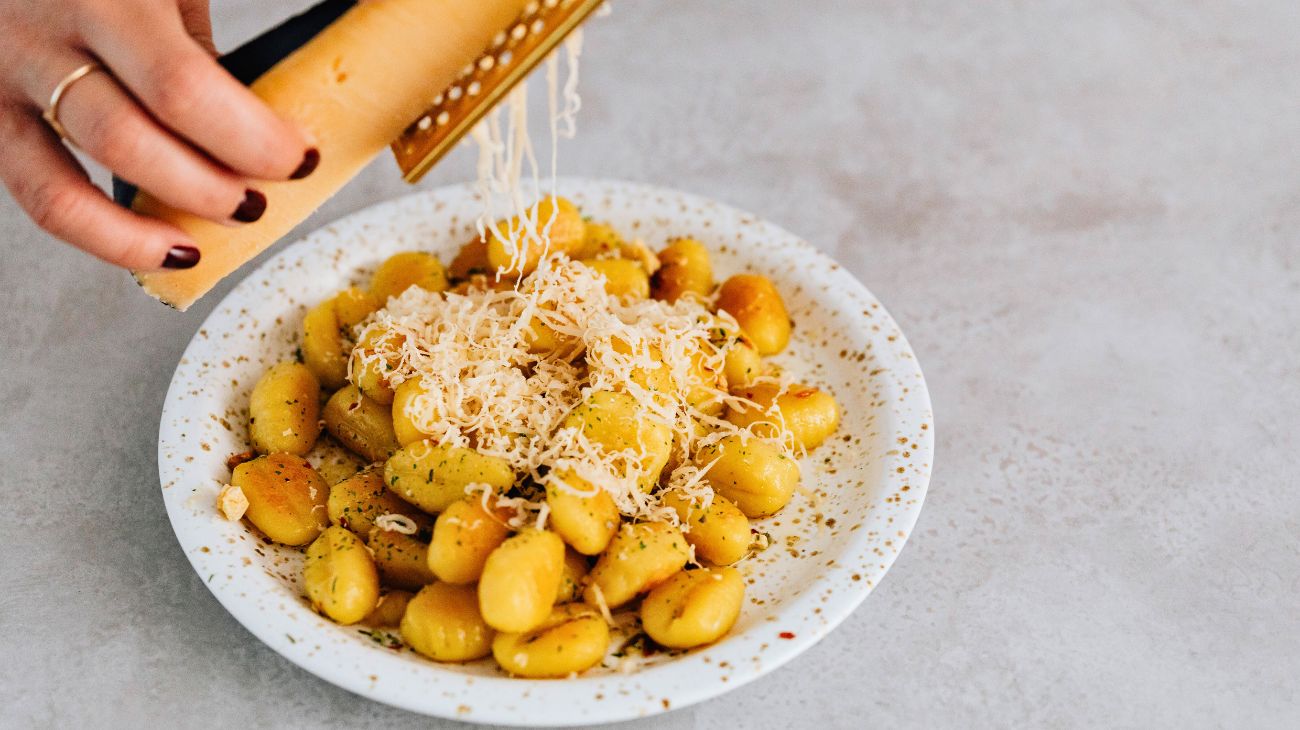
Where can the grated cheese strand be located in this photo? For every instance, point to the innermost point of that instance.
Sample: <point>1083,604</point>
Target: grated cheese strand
<point>396,523</point>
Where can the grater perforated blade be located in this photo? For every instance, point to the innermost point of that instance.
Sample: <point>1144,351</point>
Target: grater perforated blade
<point>514,52</point>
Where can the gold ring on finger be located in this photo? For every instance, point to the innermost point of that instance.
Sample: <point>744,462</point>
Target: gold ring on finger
<point>51,114</point>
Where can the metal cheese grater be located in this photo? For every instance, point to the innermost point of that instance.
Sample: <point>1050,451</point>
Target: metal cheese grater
<point>514,53</point>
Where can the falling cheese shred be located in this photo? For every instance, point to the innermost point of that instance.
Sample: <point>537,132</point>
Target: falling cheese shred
<point>507,159</point>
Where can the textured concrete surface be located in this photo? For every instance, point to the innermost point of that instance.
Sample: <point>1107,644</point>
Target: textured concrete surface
<point>1084,216</point>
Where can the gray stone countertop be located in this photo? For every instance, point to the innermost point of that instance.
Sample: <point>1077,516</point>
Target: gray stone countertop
<point>1083,215</point>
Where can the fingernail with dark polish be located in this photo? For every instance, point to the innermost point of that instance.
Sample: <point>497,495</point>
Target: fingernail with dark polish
<point>252,208</point>
<point>310,160</point>
<point>181,257</point>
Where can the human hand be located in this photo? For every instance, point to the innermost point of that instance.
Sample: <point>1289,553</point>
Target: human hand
<point>161,114</point>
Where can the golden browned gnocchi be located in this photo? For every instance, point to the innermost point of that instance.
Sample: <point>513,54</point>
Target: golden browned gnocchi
<point>390,609</point>
<point>371,374</point>
<point>286,497</point>
<point>588,449</point>
<point>753,473</point>
<point>443,623</point>
<point>354,304</point>
<point>470,260</point>
<point>432,477</point>
<point>464,536</point>
<point>406,401</point>
<point>623,277</point>
<point>757,306</point>
<point>402,560</point>
<point>616,422</point>
<point>333,462</point>
<point>340,576</point>
<point>809,414</point>
<point>684,268</point>
<point>521,580</point>
<point>582,513</point>
<point>743,364</point>
<point>571,639</point>
<point>479,283</point>
<point>693,607</point>
<point>573,577</point>
<point>542,338</point>
<point>284,410</point>
<point>356,502</point>
<point>361,424</point>
<point>325,345</point>
<point>639,557</point>
<point>405,270</point>
<point>703,381</point>
<point>652,375</point>
<point>719,533</point>
<point>598,240</point>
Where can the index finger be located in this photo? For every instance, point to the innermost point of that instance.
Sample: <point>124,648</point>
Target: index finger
<point>189,92</point>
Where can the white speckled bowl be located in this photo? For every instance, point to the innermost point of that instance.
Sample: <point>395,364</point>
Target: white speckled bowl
<point>832,544</point>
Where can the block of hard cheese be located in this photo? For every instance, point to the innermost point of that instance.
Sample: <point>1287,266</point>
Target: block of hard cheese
<point>354,87</point>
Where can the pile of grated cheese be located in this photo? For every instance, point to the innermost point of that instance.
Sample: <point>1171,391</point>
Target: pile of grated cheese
<point>482,387</point>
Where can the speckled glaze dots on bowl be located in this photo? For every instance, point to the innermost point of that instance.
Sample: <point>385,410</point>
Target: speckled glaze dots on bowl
<point>861,492</point>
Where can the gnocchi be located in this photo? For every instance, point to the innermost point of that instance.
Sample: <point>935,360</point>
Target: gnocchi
<point>742,365</point>
<point>360,423</point>
<point>571,639</point>
<point>615,421</point>
<point>353,305</point>
<point>567,230</point>
<point>598,240</point>
<point>719,532</point>
<point>402,560</point>
<point>572,577</point>
<point>464,536</point>
<point>443,623</point>
<point>471,260</point>
<point>284,410</point>
<point>325,345</point>
<point>521,580</point>
<point>405,270</point>
<point>340,577</point>
<point>639,557</point>
<point>406,402</point>
<point>693,607</point>
<point>757,306</point>
<point>389,610</point>
<point>753,473</point>
<point>432,477</point>
<point>582,513</point>
<point>809,414</point>
<point>286,497</point>
<point>684,269</point>
<point>356,502</point>
<point>369,373</point>
<point>623,277</point>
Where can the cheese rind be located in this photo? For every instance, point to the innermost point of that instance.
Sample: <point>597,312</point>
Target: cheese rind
<point>353,88</point>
